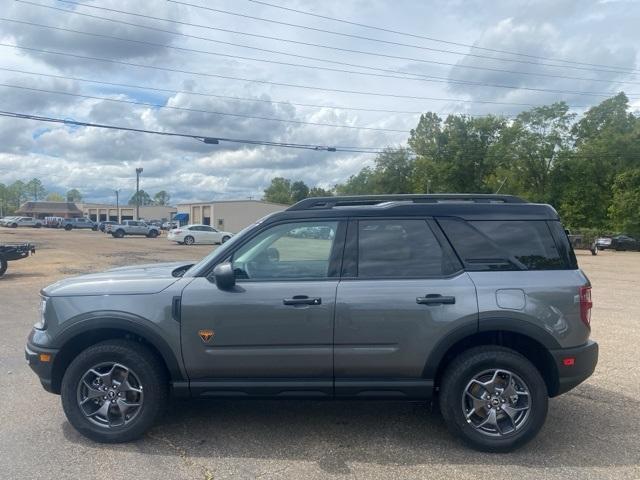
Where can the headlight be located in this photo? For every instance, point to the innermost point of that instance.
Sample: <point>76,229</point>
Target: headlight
<point>42,322</point>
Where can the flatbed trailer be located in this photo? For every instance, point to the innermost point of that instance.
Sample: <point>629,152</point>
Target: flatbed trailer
<point>10,252</point>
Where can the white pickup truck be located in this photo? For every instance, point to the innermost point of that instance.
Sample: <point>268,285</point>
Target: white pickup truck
<point>134,227</point>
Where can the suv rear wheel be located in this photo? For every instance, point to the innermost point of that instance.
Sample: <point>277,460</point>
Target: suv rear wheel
<point>114,391</point>
<point>493,398</point>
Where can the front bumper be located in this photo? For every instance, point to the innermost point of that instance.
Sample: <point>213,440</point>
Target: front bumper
<point>41,361</point>
<point>574,365</point>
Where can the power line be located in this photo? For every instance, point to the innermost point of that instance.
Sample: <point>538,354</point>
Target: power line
<point>204,139</point>
<point>388,42</point>
<point>421,78</point>
<point>197,110</point>
<point>268,82</point>
<point>208,39</point>
<point>433,39</point>
<point>213,95</point>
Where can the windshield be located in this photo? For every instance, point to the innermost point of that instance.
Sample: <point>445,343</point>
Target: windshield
<point>220,251</point>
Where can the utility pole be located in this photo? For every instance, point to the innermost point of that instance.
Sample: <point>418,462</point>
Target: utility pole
<point>117,205</point>
<point>138,172</point>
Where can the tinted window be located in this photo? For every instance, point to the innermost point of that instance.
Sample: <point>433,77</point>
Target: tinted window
<point>504,245</point>
<point>288,251</point>
<point>399,248</point>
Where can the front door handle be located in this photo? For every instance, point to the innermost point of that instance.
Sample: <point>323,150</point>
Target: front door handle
<point>302,300</point>
<point>436,299</point>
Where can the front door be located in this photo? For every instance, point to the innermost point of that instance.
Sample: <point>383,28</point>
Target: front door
<point>403,291</point>
<point>273,332</point>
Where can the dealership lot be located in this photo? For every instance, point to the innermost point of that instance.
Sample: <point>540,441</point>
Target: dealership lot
<point>591,432</point>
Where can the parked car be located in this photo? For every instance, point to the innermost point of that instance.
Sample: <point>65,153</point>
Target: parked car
<point>169,225</point>
<point>477,304</point>
<point>16,222</point>
<point>603,243</point>
<point>80,223</point>
<point>53,222</point>
<point>133,227</point>
<point>197,234</point>
<point>6,220</point>
<point>14,251</point>
<point>102,226</point>
<point>624,242</point>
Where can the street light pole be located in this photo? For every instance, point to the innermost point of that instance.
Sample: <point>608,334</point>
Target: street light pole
<point>138,172</point>
<point>117,206</point>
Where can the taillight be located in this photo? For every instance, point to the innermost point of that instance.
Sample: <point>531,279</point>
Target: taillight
<point>177,231</point>
<point>585,305</point>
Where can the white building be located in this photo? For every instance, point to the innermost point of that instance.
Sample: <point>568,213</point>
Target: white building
<point>229,215</point>
<point>99,212</point>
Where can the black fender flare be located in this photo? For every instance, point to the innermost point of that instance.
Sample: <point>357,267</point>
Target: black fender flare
<point>114,320</point>
<point>510,325</point>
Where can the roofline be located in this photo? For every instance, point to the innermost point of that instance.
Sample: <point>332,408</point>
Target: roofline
<point>353,200</point>
<point>234,201</point>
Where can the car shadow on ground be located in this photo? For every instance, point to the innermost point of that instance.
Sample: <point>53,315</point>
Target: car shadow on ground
<point>591,426</point>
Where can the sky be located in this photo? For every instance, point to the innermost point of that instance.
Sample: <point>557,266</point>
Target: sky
<point>308,80</point>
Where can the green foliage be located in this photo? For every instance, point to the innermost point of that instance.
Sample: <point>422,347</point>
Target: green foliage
<point>145,199</point>
<point>74,195</point>
<point>161,198</point>
<point>55,197</point>
<point>35,189</point>
<point>279,191</point>
<point>625,207</point>
<point>587,169</point>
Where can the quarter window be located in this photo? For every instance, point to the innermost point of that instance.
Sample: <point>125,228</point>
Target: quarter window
<point>400,248</point>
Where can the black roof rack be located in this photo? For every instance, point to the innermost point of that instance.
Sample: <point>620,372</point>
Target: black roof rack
<point>322,203</point>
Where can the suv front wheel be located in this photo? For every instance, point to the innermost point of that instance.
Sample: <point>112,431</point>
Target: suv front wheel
<point>493,398</point>
<point>114,391</point>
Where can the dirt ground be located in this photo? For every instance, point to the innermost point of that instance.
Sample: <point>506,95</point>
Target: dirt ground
<point>591,432</point>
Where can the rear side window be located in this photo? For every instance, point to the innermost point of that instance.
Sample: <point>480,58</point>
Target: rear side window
<point>504,245</point>
<point>400,248</point>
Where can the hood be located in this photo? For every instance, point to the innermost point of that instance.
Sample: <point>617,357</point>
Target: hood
<point>132,280</point>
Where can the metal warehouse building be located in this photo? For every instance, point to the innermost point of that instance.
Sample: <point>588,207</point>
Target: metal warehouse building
<point>229,215</point>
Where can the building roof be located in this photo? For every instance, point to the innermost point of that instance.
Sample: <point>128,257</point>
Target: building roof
<point>246,200</point>
<point>67,208</point>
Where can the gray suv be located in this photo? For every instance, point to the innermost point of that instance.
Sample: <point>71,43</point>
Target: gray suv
<point>473,301</point>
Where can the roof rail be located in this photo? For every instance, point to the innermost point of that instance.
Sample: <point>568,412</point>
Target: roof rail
<point>321,203</point>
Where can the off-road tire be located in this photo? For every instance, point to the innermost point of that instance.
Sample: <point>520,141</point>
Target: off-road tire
<point>469,364</point>
<point>152,377</point>
<point>68,228</point>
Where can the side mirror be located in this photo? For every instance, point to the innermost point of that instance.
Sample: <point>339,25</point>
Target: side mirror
<point>224,276</point>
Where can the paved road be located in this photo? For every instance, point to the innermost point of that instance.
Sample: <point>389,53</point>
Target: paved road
<point>592,432</point>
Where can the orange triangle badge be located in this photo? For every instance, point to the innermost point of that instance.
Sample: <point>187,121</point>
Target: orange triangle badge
<point>206,335</point>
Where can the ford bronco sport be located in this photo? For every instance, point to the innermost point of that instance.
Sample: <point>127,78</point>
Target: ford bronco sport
<point>475,301</point>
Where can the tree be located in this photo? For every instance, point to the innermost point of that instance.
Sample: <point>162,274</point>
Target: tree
<point>279,191</point>
<point>625,207</point>
<point>35,189</point>
<point>161,198</point>
<point>145,199</point>
<point>299,191</point>
<point>55,197</point>
<point>392,173</point>
<point>74,195</point>
<point>319,192</point>
<point>17,193</point>
<point>454,155</point>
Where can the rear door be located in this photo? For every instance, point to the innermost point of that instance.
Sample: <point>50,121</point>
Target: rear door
<point>402,291</point>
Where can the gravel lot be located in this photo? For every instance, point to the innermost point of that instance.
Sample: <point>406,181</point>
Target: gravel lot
<point>591,432</point>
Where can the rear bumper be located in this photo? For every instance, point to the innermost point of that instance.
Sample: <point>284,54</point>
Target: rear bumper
<point>41,362</point>
<point>584,358</point>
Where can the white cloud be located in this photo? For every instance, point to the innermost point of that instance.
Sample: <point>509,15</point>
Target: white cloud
<point>97,161</point>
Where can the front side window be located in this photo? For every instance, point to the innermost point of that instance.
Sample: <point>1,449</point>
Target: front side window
<point>299,250</point>
<point>400,248</point>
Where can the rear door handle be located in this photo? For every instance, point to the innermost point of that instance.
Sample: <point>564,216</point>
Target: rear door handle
<point>436,299</point>
<point>302,300</point>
